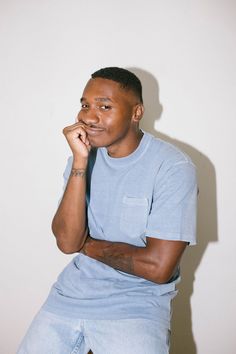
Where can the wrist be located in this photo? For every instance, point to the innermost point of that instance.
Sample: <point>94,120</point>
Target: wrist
<point>80,163</point>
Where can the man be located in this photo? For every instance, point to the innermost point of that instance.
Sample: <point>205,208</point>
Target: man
<point>128,210</point>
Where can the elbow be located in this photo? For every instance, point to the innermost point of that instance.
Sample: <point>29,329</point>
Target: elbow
<point>66,248</point>
<point>160,275</point>
<point>68,242</point>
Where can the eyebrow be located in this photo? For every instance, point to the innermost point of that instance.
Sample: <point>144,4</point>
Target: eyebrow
<point>99,99</point>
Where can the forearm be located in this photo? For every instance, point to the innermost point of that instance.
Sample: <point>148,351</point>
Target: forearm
<point>69,224</point>
<point>138,261</point>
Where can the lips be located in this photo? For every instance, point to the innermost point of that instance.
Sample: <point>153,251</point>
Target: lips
<point>94,130</point>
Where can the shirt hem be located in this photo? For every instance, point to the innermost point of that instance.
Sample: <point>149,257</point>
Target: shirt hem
<point>170,236</point>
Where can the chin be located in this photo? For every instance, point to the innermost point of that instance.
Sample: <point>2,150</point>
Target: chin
<point>97,144</point>
<point>99,141</point>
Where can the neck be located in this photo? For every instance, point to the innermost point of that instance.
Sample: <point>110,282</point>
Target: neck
<point>127,146</point>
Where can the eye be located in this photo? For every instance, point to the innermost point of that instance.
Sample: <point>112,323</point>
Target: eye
<point>105,107</point>
<point>84,106</point>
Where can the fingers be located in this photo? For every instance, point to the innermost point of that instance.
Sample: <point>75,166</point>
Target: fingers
<point>77,139</point>
<point>73,126</point>
<point>77,129</point>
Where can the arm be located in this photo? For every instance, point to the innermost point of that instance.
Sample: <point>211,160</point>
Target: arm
<point>174,213</point>
<point>69,224</point>
<point>156,262</point>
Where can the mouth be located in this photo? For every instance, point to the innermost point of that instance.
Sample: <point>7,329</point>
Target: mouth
<point>94,130</point>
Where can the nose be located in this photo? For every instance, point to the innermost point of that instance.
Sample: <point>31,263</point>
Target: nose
<point>88,118</point>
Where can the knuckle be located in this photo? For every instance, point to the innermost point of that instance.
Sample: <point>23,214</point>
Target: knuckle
<point>64,131</point>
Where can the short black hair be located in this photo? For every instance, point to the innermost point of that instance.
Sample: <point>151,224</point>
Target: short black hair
<point>124,77</point>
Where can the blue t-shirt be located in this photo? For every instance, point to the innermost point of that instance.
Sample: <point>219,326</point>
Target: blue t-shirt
<point>149,193</point>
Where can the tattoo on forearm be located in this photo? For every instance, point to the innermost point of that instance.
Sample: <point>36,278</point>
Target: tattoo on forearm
<point>120,261</point>
<point>78,172</point>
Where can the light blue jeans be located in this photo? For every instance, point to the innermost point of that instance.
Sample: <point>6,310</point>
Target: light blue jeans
<point>53,334</point>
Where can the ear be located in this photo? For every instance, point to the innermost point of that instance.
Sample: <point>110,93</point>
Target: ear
<point>138,113</point>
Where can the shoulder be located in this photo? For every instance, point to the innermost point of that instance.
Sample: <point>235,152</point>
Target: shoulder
<point>169,162</point>
<point>164,151</point>
<point>166,157</point>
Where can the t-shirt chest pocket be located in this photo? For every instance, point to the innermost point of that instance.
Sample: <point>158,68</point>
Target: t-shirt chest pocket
<point>133,217</point>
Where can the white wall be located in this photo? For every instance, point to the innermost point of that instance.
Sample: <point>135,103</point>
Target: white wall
<point>184,51</point>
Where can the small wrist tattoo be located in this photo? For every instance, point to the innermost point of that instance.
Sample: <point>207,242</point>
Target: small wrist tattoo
<point>78,172</point>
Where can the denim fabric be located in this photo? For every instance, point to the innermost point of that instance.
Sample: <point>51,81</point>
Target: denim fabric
<point>53,334</point>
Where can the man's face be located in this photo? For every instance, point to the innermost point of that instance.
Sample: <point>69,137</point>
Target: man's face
<point>107,112</point>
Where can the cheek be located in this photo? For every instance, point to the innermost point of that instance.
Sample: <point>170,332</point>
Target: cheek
<point>79,116</point>
<point>115,121</point>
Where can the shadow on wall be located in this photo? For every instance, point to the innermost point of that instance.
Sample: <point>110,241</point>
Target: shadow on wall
<point>182,340</point>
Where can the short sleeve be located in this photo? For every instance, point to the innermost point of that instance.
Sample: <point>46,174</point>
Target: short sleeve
<point>174,205</point>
